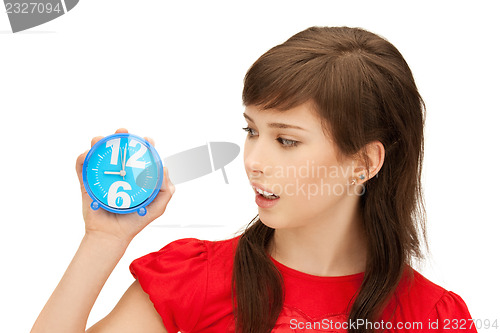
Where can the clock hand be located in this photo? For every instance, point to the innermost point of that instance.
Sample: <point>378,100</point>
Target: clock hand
<point>121,173</point>
<point>123,162</point>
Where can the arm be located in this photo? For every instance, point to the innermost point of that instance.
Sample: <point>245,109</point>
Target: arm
<point>107,236</point>
<point>69,306</point>
<point>133,313</point>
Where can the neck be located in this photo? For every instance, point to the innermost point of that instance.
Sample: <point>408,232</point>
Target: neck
<point>334,246</point>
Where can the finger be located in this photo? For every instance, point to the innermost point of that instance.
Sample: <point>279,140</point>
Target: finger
<point>159,204</point>
<point>167,185</point>
<point>79,167</point>
<point>86,200</point>
<point>150,140</point>
<point>121,130</point>
<point>170,184</point>
<point>95,140</point>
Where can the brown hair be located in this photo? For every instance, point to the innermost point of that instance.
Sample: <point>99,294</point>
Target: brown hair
<point>363,91</point>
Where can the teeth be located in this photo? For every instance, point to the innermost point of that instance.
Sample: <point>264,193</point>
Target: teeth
<point>265,193</point>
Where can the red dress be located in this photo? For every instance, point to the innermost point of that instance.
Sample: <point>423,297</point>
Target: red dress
<point>189,283</point>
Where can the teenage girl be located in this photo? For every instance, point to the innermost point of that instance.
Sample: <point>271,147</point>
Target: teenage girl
<point>334,154</point>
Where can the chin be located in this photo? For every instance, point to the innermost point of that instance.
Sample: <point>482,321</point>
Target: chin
<point>274,222</point>
<point>267,220</point>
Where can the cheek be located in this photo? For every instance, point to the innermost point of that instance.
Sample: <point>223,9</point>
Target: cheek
<point>313,181</point>
<point>310,190</point>
<point>312,197</point>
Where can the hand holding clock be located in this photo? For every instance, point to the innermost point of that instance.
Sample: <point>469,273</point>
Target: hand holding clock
<point>116,207</point>
<point>119,194</point>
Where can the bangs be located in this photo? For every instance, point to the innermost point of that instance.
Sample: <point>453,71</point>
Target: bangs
<point>283,78</point>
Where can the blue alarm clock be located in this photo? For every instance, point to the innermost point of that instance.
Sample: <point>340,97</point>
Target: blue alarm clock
<point>122,173</point>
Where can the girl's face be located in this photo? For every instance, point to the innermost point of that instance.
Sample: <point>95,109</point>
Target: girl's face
<point>299,165</point>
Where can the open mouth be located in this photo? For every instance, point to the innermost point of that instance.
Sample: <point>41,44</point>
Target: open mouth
<point>266,194</point>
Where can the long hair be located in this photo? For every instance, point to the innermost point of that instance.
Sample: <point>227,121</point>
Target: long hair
<point>363,90</point>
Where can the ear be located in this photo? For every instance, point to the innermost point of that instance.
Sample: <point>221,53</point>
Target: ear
<point>373,155</point>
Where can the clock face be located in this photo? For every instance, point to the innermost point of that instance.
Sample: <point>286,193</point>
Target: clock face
<point>123,171</point>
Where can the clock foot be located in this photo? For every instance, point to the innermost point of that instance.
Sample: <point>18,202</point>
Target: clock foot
<point>94,205</point>
<point>141,211</point>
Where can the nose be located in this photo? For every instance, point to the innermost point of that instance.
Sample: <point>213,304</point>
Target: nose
<point>255,157</point>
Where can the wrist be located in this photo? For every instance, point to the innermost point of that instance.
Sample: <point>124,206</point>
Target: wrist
<point>106,242</point>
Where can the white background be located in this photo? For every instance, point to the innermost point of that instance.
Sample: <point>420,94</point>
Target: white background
<point>174,72</point>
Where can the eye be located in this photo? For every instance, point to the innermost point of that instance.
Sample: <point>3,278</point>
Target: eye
<point>285,143</point>
<point>248,129</point>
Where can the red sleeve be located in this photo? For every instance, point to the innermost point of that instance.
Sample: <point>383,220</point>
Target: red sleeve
<point>452,315</point>
<point>175,278</point>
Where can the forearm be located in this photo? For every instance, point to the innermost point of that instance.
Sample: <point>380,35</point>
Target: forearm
<point>69,306</point>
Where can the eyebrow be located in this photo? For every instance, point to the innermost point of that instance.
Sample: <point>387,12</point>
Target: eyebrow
<point>275,125</point>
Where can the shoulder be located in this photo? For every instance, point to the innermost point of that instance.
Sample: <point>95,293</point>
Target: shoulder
<point>222,250</point>
<point>418,298</point>
<point>186,256</point>
<point>179,278</point>
<point>417,286</point>
<point>186,251</point>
